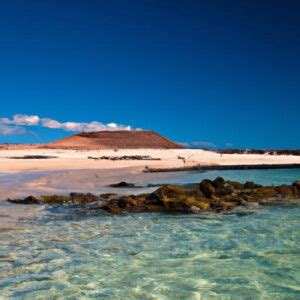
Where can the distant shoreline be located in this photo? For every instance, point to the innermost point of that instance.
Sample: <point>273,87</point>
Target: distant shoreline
<point>224,168</point>
<point>295,152</point>
<point>17,146</point>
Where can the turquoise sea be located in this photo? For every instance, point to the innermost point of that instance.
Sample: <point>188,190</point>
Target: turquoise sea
<point>248,254</point>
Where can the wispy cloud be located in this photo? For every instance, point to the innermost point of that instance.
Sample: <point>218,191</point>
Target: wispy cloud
<point>198,144</point>
<point>75,126</point>
<point>16,123</point>
<point>22,120</point>
<point>229,145</point>
<point>12,130</point>
<point>183,144</point>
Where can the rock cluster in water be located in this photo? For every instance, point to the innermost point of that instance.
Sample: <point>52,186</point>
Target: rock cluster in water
<point>217,195</point>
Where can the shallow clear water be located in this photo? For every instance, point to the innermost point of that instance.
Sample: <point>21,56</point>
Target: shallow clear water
<point>249,254</point>
<point>265,177</point>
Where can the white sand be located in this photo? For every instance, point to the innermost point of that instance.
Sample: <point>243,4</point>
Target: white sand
<point>73,171</point>
<point>78,160</point>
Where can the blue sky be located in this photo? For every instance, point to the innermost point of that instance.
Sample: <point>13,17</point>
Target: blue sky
<point>219,72</point>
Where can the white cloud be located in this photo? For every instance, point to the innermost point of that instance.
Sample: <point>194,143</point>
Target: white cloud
<point>21,119</point>
<point>49,123</point>
<point>14,124</point>
<point>112,125</point>
<point>74,126</point>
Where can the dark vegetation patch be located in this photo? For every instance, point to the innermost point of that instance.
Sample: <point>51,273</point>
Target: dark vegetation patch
<point>124,157</point>
<point>33,157</point>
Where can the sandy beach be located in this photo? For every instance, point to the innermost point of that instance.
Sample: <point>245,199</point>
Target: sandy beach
<point>73,170</point>
<point>79,160</point>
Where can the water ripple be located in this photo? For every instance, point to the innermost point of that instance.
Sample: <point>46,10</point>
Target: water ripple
<point>154,256</point>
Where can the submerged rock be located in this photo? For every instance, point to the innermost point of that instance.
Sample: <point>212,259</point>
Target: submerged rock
<point>251,185</point>
<point>72,198</point>
<point>217,195</point>
<point>122,184</point>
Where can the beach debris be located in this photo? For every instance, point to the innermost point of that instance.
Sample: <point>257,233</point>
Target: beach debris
<point>33,157</point>
<point>218,195</point>
<point>181,158</point>
<point>124,157</point>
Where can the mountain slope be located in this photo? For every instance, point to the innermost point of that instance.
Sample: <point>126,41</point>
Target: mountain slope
<point>115,140</point>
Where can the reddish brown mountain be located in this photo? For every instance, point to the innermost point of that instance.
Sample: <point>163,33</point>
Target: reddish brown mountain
<point>114,140</point>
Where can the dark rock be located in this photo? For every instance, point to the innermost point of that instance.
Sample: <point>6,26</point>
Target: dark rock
<point>296,188</point>
<point>207,188</point>
<point>55,199</point>
<point>122,184</point>
<point>218,182</point>
<point>123,204</point>
<point>27,200</point>
<point>236,185</point>
<point>224,190</point>
<point>169,192</point>
<point>107,196</point>
<point>83,198</point>
<point>251,185</point>
<point>217,196</point>
<point>297,183</point>
<point>73,198</point>
<point>266,192</point>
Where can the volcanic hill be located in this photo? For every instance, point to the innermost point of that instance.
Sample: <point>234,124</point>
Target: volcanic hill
<point>115,140</point>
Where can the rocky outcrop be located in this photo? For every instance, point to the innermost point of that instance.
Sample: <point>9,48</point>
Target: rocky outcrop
<point>217,196</point>
<point>72,198</point>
